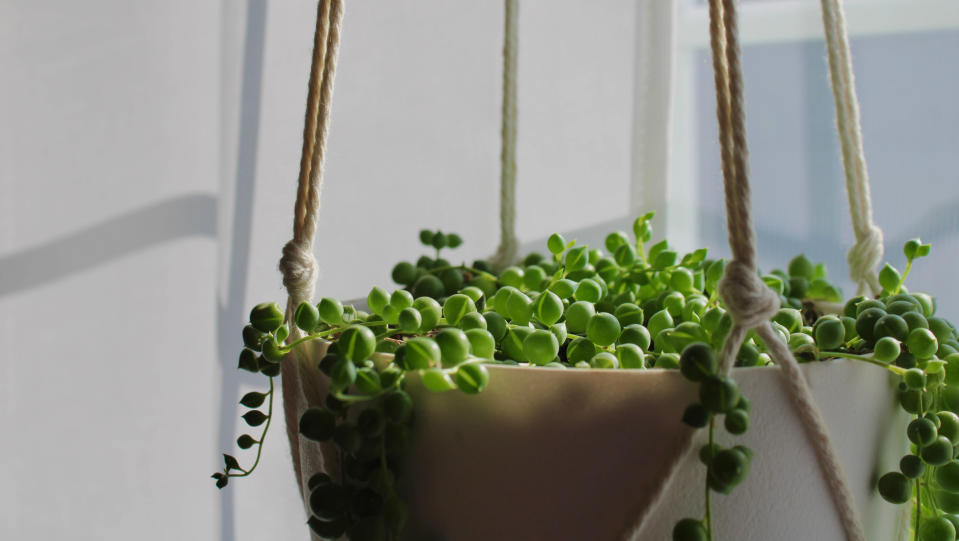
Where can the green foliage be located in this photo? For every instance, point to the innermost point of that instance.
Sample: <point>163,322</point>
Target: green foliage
<point>630,305</point>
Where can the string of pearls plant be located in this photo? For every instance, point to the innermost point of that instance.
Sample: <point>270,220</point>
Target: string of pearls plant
<point>634,305</point>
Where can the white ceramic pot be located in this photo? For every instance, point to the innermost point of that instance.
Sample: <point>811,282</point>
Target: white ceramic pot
<point>574,455</point>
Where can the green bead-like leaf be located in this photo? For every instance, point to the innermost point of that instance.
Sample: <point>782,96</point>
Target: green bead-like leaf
<point>368,380</point>
<point>430,311</point>
<point>894,487</point>
<point>665,258</point>
<point>563,288</point>
<point>482,343</point>
<point>401,299</point>
<point>889,278</point>
<point>253,400</point>
<point>377,300</point>
<point>426,237</point>
<point>331,311</point>
<point>616,239</point>
<point>718,394</point>
<point>245,441</point>
<point>729,467</point>
<point>266,317</point>
<point>269,369</point>
<point>435,380</point>
<point>248,361</point>
<point>404,273</point>
<point>801,267</point>
<point>457,306</point>
<point>714,273</point>
<point>409,320</point>
<point>736,421</point>
<point>356,343</point>
<point>603,329</point>
<point>472,378</point>
<point>578,316</point>
<point>630,356</point>
<point>548,308</point>
<point>254,418</point>
<point>421,353</point>
<point>343,374</point>
<point>317,424</point>
<point>689,529</point>
<point>540,347</point>
<point>439,240</point>
<point>556,244</point>
<point>914,249</point>
<point>231,462</point>
<point>307,316</point>
<point>604,359</point>
<point>576,258</point>
<point>454,346</point>
<point>696,416</point>
<point>642,229</point>
<point>698,361</point>
<point>398,406</point>
<point>253,338</point>
<point>272,351</point>
<point>519,307</point>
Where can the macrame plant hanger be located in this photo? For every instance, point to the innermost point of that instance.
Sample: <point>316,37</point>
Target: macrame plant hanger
<point>508,246</point>
<point>866,254</point>
<point>302,384</point>
<point>749,301</point>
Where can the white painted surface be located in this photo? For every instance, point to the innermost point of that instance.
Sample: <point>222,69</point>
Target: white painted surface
<point>110,371</point>
<point>110,368</point>
<point>573,454</point>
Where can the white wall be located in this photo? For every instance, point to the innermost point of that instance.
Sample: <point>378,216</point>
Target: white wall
<point>123,276</point>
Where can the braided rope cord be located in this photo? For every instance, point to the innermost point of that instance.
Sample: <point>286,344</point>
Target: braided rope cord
<point>749,301</point>
<point>298,265</point>
<point>866,254</point>
<point>508,247</point>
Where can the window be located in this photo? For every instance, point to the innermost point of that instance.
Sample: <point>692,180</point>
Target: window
<point>910,123</point>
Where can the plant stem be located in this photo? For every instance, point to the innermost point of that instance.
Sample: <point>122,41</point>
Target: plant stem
<point>351,398</point>
<point>902,279</point>
<point>473,360</point>
<point>465,268</point>
<point>328,332</point>
<point>898,370</point>
<point>918,505</point>
<point>709,514</point>
<point>918,484</point>
<point>641,251</point>
<point>259,445</point>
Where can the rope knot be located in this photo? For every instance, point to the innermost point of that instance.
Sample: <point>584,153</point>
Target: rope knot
<point>298,267</point>
<point>748,299</point>
<point>865,256</point>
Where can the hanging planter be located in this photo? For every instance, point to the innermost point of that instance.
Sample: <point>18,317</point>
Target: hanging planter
<point>591,395</point>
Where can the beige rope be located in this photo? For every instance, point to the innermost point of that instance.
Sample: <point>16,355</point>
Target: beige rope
<point>720,74</point>
<point>506,253</point>
<point>866,254</point>
<point>749,301</point>
<point>298,264</point>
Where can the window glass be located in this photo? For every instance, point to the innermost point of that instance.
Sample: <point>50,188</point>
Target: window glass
<point>910,121</point>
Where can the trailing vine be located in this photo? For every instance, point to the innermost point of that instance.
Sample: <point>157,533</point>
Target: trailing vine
<point>635,305</point>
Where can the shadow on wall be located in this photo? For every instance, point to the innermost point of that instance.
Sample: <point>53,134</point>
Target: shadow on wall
<point>193,215</point>
<point>185,216</point>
